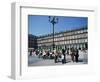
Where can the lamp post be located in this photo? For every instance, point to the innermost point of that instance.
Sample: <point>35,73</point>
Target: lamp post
<point>53,20</point>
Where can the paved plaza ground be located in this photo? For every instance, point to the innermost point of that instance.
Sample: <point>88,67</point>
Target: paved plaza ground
<point>36,61</point>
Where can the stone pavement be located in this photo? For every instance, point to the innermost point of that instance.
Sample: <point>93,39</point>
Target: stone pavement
<point>35,61</point>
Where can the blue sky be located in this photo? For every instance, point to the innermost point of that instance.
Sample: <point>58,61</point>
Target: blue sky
<point>40,25</point>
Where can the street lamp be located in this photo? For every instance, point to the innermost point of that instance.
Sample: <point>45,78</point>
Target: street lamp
<point>53,20</point>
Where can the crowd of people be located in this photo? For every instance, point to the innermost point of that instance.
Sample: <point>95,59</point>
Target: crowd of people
<point>61,55</point>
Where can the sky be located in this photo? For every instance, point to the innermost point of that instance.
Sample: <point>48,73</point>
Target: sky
<point>40,25</point>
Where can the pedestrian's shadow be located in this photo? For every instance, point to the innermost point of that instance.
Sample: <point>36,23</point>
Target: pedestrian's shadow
<point>80,60</point>
<point>10,77</point>
<point>68,61</point>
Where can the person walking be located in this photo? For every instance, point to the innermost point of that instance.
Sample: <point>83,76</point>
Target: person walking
<point>64,56</point>
<point>56,56</point>
<point>44,54</point>
<point>31,53</point>
<point>76,55</point>
<point>72,54</point>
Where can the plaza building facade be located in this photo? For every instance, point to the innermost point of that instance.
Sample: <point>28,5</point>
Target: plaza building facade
<point>77,38</point>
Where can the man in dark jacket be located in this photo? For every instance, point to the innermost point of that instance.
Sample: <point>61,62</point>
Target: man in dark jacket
<point>76,55</point>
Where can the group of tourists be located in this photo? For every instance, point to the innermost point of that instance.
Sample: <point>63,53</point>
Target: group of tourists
<point>61,55</point>
<point>73,53</point>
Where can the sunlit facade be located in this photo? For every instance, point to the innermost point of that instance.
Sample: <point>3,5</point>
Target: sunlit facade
<point>77,38</point>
